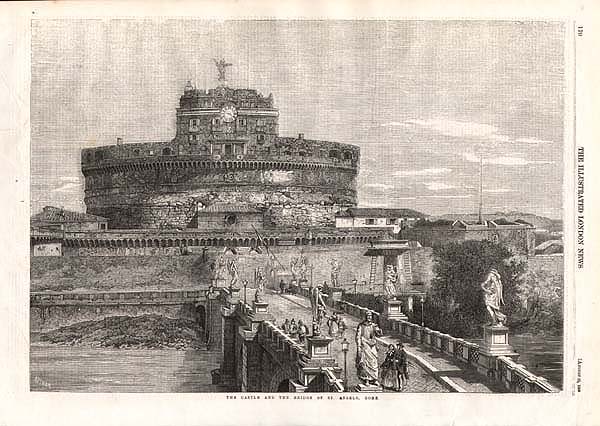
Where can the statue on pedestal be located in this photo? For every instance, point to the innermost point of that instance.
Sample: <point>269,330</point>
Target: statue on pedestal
<point>391,278</point>
<point>492,296</point>
<point>367,362</point>
<point>335,273</point>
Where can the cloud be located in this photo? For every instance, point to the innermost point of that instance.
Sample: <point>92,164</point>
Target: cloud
<point>422,172</point>
<point>381,186</point>
<point>532,141</point>
<point>447,196</point>
<point>395,124</point>
<point>504,160</point>
<point>498,190</point>
<point>438,186</point>
<point>68,187</point>
<point>460,129</point>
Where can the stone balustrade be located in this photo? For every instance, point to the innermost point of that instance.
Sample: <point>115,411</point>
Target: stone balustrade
<point>356,311</point>
<point>162,297</point>
<point>513,376</point>
<point>332,383</point>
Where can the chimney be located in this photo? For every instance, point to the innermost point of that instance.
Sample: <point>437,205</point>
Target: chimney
<point>119,141</point>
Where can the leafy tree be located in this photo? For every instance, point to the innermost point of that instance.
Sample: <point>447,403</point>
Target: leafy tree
<point>455,303</point>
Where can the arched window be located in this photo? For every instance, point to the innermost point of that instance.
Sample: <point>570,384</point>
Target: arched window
<point>347,155</point>
<point>136,152</point>
<point>167,151</point>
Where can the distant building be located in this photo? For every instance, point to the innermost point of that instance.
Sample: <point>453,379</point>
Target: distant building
<point>57,219</point>
<point>394,219</point>
<point>517,235</point>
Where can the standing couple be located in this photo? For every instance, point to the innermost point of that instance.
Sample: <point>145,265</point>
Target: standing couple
<point>394,370</point>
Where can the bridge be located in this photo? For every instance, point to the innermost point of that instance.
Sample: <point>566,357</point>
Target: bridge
<point>258,356</point>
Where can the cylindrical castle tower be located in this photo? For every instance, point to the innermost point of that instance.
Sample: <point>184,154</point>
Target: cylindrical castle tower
<point>226,168</point>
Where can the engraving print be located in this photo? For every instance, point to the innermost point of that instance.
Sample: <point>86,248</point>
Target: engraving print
<point>296,206</point>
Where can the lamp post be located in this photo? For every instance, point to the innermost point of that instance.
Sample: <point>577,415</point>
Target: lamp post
<point>345,347</point>
<point>422,312</point>
<point>245,287</point>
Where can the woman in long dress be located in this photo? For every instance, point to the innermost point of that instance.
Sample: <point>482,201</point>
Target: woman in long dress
<point>389,370</point>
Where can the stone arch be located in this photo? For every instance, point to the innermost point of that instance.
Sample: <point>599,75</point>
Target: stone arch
<point>280,375</point>
<point>144,243</point>
<point>220,242</point>
<point>271,241</point>
<point>177,242</point>
<point>253,242</point>
<point>137,243</point>
<point>201,242</point>
<point>318,240</point>
<point>246,242</point>
<point>297,241</point>
<point>130,243</point>
<point>169,243</point>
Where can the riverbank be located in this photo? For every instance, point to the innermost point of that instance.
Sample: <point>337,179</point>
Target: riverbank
<point>122,332</point>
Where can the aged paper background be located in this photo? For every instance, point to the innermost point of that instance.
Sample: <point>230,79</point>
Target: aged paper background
<point>19,406</point>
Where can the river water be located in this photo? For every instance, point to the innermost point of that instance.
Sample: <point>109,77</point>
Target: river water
<point>542,355</point>
<point>86,369</point>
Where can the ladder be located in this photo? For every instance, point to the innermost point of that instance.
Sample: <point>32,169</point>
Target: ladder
<point>407,267</point>
<point>373,271</point>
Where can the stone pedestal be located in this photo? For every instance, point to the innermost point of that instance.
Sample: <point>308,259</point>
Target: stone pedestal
<point>495,344</point>
<point>260,307</point>
<point>393,310</point>
<point>319,346</point>
<point>495,341</point>
<point>336,294</point>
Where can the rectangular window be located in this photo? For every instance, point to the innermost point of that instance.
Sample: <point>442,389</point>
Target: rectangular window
<point>216,148</point>
<point>242,122</point>
<point>369,221</point>
<point>194,123</point>
<point>260,138</point>
<point>392,221</point>
<point>228,149</point>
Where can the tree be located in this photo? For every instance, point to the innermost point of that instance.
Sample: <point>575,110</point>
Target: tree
<point>455,303</point>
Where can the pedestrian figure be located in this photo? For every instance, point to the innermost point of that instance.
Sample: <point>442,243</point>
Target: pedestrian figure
<point>302,331</point>
<point>286,326</point>
<point>293,329</point>
<point>389,369</point>
<point>331,321</point>
<point>281,286</point>
<point>402,363</point>
<point>341,326</point>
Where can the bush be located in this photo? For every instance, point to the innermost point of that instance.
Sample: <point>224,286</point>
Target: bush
<point>455,303</point>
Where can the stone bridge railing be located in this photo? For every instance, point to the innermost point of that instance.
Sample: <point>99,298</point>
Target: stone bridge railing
<point>151,297</point>
<point>513,376</point>
<point>316,373</point>
<point>356,310</point>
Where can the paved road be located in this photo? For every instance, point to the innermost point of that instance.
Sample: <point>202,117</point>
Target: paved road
<point>297,307</point>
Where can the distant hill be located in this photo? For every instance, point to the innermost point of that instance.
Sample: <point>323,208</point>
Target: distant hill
<point>541,222</point>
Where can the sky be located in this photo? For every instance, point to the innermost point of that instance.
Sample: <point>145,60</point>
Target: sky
<point>425,100</point>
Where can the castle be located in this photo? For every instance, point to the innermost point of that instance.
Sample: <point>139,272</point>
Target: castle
<point>226,168</point>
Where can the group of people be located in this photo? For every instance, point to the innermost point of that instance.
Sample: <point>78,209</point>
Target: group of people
<point>394,370</point>
<point>336,325</point>
<point>296,330</point>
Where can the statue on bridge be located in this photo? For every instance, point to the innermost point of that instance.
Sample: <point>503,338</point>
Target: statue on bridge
<point>335,273</point>
<point>492,296</point>
<point>391,278</point>
<point>367,362</point>
<point>317,304</point>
